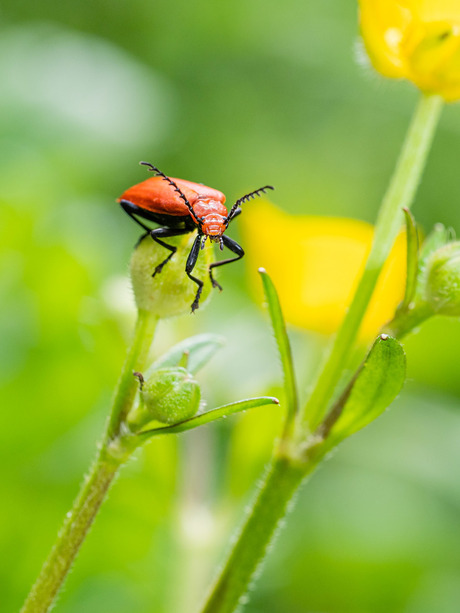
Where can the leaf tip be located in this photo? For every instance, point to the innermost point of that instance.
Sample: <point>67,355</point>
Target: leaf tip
<point>384,337</point>
<point>262,271</point>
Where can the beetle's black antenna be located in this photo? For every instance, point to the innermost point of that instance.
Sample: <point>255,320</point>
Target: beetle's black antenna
<point>240,201</point>
<point>158,173</point>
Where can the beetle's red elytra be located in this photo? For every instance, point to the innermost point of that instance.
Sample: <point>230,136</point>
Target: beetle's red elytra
<point>179,207</point>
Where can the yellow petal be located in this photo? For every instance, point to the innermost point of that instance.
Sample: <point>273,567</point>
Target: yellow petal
<point>316,263</point>
<point>384,24</point>
<point>435,61</point>
<point>436,10</point>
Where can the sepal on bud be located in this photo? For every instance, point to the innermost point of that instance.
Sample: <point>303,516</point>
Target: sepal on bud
<point>443,280</point>
<point>433,279</point>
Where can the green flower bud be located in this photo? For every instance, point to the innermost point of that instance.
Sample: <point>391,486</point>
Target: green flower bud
<point>169,395</point>
<point>443,280</point>
<point>169,292</point>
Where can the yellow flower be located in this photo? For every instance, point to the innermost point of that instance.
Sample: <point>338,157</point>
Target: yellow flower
<point>316,263</point>
<point>417,40</point>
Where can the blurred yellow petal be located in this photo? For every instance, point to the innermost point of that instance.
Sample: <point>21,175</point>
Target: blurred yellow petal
<point>316,263</point>
<point>383,25</point>
<point>436,10</point>
<point>435,67</point>
<point>415,39</point>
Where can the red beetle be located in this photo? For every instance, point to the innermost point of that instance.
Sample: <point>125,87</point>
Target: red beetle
<point>180,207</point>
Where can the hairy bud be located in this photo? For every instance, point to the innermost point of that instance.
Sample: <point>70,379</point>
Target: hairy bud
<point>168,291</point>
<point>443,280</point>
<point>169,395</point>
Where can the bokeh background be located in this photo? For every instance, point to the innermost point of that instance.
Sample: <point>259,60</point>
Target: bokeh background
<point>235,95</point>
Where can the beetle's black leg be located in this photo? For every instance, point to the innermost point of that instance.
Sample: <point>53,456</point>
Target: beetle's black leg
<point>190,265</point>
<point>237,250</point>
<point>164,233</point>
<point>129,208</point>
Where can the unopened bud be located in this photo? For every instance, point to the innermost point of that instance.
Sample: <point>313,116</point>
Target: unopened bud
<point>443,280</point>
<point>166,290</point>
<point>168,395</point>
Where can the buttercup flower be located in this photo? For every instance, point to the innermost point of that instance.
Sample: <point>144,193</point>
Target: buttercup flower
<point>316,263</point>
<point>417,40</point>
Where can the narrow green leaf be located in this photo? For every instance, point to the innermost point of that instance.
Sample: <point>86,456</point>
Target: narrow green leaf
<point>282,341</point>
<point>195,351</point>
<point>412,258</point>
<point>210,416</point>
<point>374,387</point>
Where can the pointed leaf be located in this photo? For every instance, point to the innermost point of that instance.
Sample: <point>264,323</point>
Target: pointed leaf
<point>412,258</point>
<point>210,416</point>
<point>374,387</point>
<point>282,341</point>
<point>196,351</point>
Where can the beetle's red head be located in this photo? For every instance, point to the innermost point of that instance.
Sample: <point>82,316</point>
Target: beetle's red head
<point>212,217</point>
<point>213,225</point>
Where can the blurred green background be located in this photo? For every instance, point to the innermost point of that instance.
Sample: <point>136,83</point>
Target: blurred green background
<point>234,95</point>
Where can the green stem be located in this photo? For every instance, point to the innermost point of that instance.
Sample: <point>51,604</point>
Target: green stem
<point>401,193</point>
<point>281,482</point>
<point>135,362</point>
<point>405,321</point>
<point>77,523</point>
<point>94,489</point>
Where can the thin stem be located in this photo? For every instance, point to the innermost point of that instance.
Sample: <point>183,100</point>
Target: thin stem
<point>94,489</point>
<point>401,193</point>
<point>269,508</point>
<point>77,523</point>
<point>135,362</point>
<point>405,321</point>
